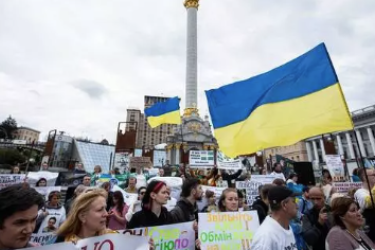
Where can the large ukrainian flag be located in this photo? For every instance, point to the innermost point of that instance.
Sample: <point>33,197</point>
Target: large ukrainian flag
<point>167,112</point>
<point>297,100</point>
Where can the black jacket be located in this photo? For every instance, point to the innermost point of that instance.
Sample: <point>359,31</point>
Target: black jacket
<point>261,208</point>
<point>229,177</point>
<point>184,211</point>
<point>146,218</point>
<point>313,232</point>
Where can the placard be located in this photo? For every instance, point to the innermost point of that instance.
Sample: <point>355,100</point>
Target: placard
<point>10,179</point>
<point>233,230</point>
<point>139,162</point>
<point>160,157</point>
<point>168,237</point>
<point>43,238</point>
<point>264,179</point>
<point>224,162</point>
<point>34,177</point>
<point>344,187</point>
<point>335,167</point>
<point>201,158</point>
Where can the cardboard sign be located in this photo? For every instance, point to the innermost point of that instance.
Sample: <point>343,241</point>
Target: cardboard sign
<point>139,162</point>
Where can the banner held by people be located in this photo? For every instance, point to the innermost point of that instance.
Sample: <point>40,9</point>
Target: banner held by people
<point>10,179</point>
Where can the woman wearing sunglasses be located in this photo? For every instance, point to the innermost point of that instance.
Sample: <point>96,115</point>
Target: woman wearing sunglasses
<point>346,235</point>
<point>137,205</point>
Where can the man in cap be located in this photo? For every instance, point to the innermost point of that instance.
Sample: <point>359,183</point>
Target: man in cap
<point>275,232</point>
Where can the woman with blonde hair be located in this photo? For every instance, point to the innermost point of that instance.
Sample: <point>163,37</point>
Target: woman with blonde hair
<point>87,218</point>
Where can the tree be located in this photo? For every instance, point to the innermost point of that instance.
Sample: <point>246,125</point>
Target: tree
<point>11,156</point>
<point>7,127</point>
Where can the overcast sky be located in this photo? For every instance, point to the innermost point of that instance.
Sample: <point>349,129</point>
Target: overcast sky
<point>77,65</point>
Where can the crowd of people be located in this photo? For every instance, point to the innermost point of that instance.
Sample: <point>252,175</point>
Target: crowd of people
<point>317,219</point>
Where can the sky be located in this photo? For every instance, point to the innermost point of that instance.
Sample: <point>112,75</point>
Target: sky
<point>77,65</point>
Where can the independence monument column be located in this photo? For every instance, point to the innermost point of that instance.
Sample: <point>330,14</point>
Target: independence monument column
<point>191,57</point>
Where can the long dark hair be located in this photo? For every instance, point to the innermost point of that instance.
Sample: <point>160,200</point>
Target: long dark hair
<point>120,201</point>
<point>41,179</point>
<point>153,187</point>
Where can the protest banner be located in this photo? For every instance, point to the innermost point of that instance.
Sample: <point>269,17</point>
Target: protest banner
<point>43,238</point>
<point>227,231</point>
<point>335,167</point>
<point>34,177</point>
<point>169,237</point>
<point>139,162</point>
<point>344,187</point>
<point>10,179</point>
<point>45,191</point>
<point>224,162</point>
<point>264,179</point>
<point>58,246</point>
<point>113,242</point>
<point>201,158</point>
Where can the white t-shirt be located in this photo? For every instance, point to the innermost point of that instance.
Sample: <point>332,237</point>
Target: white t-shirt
<point>278,175</point>
<point>360,196</point>
<point>272,236</point>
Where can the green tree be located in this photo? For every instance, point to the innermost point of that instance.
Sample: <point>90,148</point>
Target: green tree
<point>7,127</point>
<point>11,156</point>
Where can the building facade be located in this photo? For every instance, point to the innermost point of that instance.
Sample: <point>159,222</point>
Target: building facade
<point>345,142</point>
<point>26,134</point>
<point>295,152</point>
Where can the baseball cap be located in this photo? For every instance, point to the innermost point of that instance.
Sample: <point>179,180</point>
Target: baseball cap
<point>279,193</point>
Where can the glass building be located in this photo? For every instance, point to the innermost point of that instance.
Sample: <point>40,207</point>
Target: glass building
<point>92,154</point>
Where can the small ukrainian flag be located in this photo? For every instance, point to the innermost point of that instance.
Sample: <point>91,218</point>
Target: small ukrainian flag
<point>167,112</point>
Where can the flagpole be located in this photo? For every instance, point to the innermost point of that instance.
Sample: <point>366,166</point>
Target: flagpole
<point>363,166</point>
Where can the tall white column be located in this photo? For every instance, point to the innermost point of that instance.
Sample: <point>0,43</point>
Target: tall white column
<point>316,156</point>
<point>191,54</point>
<point>360,141</point>
<point>372,140</point>
<point>350,145</point>
<point>339,143</point>
<point>323,149</point>
<point>308,149</point>
<point>169,158</point>
<point>177,160</point>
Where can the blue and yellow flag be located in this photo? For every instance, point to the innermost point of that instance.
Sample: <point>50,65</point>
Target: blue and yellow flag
<point>167,112</point>
<point>298,100</point>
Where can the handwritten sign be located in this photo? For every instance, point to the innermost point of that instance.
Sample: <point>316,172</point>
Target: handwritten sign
<point>344,187</point>
<point>139,162</point>
<point>169,237</point>
<point>113,242</point>
<point>10,179</point>
<point>232,231</point>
